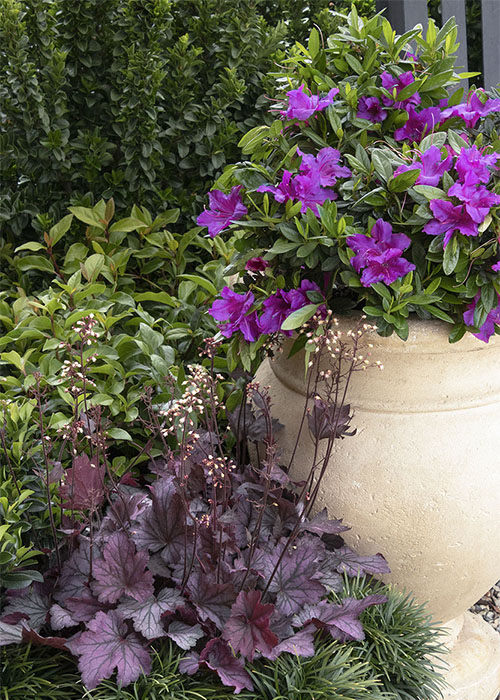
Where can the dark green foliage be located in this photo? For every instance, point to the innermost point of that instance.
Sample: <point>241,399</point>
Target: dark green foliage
<point>142,100</point>
<point>38,673</point>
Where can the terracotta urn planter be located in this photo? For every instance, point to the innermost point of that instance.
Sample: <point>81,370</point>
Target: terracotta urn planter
<point>420,480</point>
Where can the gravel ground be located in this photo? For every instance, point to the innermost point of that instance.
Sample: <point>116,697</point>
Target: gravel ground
<point>489,607</point>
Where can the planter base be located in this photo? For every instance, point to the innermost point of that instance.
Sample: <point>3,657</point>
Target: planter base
<point>474,660</point>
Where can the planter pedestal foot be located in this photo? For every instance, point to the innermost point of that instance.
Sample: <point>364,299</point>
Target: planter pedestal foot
<point>474,660</point>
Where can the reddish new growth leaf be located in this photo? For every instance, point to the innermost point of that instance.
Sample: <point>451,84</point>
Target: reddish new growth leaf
<point>106,646</point>
<point>218,656</point>
<point>121,571</point>
<point>247,630</point>
<point>83,487</point>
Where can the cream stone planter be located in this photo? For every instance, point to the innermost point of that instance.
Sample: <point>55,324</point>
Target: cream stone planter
<point>420,481</point>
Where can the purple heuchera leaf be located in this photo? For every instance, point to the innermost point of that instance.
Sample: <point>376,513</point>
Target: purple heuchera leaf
<point>10,634</point>
<point>321,524</point>
<point>76,610</point>
<point>162,526</point>
<point>190,664</point>
<point>224,209</point>
<point>31,604</point>
<point>247,630</point>
<point>325,420</point>
<point>356,565</point>
<point>185,636</point>
<point>121,571</point>
<point>218,656</point>
<point>147,614</point>
<point>83,487</point>
<point>105,646</point>
<point>213,601</point>
<point>342,621</point>
<point>75,571</point>
<point>293,582</point>
<point>299,644</point>
<point>61,618</point>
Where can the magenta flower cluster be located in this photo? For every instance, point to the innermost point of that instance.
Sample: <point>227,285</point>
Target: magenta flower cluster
<point>380,255</point>
<point>233,310</point>
<point>474,199</point>
<point>426,120</point>
<point>309,187</point>
<point>302,106</point>
<point>488,327</point>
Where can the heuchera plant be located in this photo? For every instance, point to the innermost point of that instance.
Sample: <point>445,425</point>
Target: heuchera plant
<point>375,188</point>
<point>225,559</point>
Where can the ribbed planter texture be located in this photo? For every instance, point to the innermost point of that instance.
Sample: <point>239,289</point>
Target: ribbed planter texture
<point>420,480</point>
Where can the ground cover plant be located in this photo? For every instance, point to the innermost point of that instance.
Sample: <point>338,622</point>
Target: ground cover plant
<point>373,189</point>
<point>224,559</point>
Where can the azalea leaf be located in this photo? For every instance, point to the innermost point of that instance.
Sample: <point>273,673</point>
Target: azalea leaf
<point>83,486</point>
<point>121,571</point>
<point>147,614</point>
<point>299,644</point>
<point>213,601</point>
<point>247,629</point>
<point>106,646</point>
<point>162,526</point>
<point>218,656</point>
<point>185,636</point>
<point>293,581</point>
<point>356,565</point>
<point>342,621</point>
<point>30,604</point>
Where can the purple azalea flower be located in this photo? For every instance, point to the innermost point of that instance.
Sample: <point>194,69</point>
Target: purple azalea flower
<point>472,162</point>
<point>256,264</point>
<point>431,167</point>
<point>224,209</point>
<point>233,308</point>
<point>306,188</point>
<point>448,219</point>
<point>477,200</point>
<point>389,82</point>
<point>371,109</point>
<point>472,110</point>
<point>380,254</point>
<point>496,267</point>
<point>488,327</point>
<point>298,297</point>
<point>418,123</point>
<point>327,164</point>
<point>302,106</point>
<point>276,309</point>
<point>283,191</point>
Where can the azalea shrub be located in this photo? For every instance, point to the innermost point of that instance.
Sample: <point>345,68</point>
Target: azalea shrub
<point>227,560</point>
<point>375,188</point>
